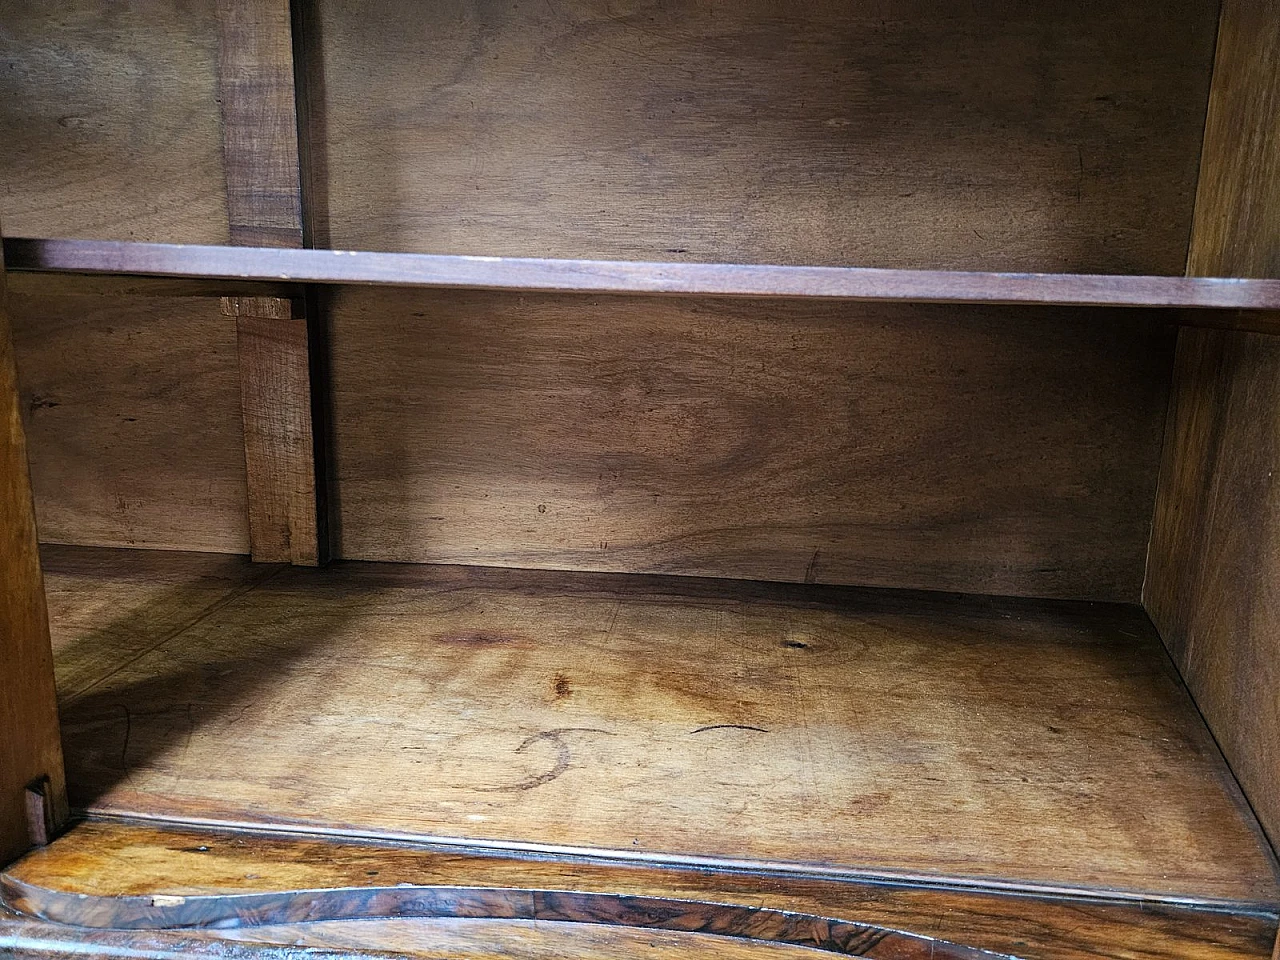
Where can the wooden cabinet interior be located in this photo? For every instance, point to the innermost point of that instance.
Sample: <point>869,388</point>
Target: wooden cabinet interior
<point>779,418</point>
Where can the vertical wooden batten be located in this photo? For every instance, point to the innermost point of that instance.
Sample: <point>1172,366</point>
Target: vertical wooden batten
<point>279,340</point>
<point>30,748</point>
<point>1213,571</point>
<point>271,336</point>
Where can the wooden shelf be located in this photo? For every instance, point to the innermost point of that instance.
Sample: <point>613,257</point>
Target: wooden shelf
<point>591,276</point>
<point>824,732</point>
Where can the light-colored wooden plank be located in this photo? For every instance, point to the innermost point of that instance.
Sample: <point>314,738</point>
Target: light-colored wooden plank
<point>275,403</point>
<point>596,277</point>
<point>1041,746</point>
<point>1052,136</point>
<point>895,445</point>
<point>132,410</point>
<point>114,859</point>
<point>30,749</point>
<point>1213,582</point>
<point>109,120</point>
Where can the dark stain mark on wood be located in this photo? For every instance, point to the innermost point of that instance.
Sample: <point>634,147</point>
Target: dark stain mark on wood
<point>42,403</point>
<point>562,687</point>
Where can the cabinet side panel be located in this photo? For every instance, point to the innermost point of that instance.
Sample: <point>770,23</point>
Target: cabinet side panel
<point>1213,581</point>
<point>989,449</point>
<point>29,744</point>
<point>1213,577</point>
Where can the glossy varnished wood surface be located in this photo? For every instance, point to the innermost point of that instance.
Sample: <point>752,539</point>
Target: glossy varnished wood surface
<point>109,117</point>
<point>105,861</point>
<point>738,923</point>
<point>1006,743</point>
<point>132,409</point>
<point>30,750</point>
<point>987,449</point>
<point>621,276</point>
<point>1057,136</point>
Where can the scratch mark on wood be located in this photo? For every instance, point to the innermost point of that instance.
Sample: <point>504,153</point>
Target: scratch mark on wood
<point>563,758</point>
<point>729,726</point>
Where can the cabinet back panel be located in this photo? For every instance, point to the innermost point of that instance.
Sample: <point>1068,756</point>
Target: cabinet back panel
<point>1060,136</point>
<point>992,449</point>
<point>132,409</point>
<point>109,120</point>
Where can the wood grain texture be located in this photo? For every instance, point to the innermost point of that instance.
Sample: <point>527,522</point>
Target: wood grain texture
<point>1059,136</point>
<point>1040,746</point>
<point>259,123</point>
<point>451,939</point>
<point>132,410</point>
<point>120,605</point>
<point>1214,562</point>
<point>113,859</point>
<point>280,452</point>
<point>29,741</point>
<point>932,447</point>
<point>109,117</point>
<point>1213,582</point>
<point>594,276</point>
<point>736,922</point>
<point>1237,227</point>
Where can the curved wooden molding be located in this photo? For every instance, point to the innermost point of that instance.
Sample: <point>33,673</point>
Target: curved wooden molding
<point>844,937</point>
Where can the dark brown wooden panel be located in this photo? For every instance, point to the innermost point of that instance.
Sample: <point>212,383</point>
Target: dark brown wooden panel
<point>955,448</point>
<point>1055,136</point>
<point>109,120</point>
<point>132,407</point>
<point>1213,584</point>
<point>112,859</point>
<point>1237,229</point>
<point>30,750</point>
<point>741,925</point>
<point>794,730</point>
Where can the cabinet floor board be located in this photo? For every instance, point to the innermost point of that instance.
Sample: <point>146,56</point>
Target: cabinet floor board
<point>998,742</point>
